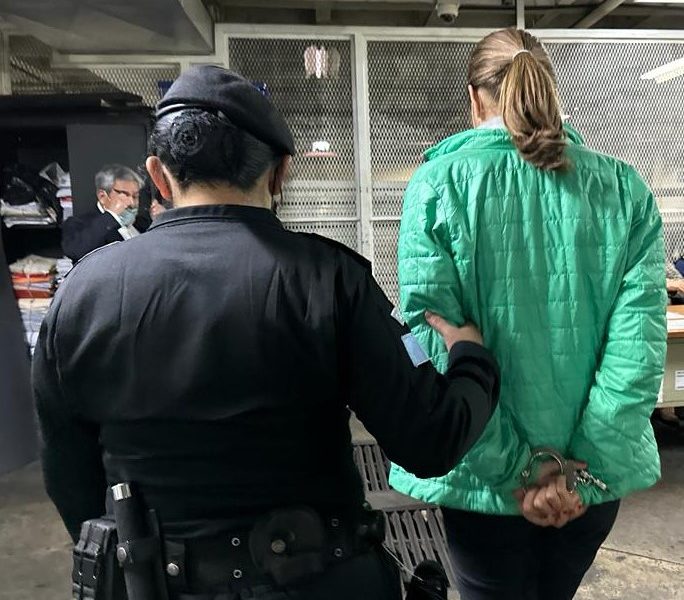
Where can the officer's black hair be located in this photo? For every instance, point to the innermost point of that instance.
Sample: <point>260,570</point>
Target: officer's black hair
<point>199,146</point>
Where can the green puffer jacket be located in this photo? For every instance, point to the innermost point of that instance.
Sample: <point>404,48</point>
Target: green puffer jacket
<point>564,274</point>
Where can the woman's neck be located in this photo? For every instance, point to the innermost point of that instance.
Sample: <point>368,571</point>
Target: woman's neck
<point>201,195</point>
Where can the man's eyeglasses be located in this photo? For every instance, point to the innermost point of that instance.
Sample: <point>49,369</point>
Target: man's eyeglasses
<point>131,195</point>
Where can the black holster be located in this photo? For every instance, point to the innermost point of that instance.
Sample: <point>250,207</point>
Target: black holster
<point>96,574</point>
<point>100,567</point>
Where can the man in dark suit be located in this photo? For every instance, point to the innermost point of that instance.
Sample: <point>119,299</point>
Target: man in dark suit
<point>117,217</point>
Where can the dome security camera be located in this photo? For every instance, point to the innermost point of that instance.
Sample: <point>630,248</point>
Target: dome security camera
<point>447,12</point>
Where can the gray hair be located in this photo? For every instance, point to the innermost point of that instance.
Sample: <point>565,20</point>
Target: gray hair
<point>107,175</point>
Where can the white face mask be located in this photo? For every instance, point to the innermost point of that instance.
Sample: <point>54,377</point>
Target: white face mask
<point>127,217</point>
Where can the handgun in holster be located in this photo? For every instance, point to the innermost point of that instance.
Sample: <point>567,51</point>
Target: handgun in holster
<point>120,558</point>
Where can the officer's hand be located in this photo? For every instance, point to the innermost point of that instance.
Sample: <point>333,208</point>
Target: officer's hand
<point>452,334</point>
<point>118,204</point>
<point>156,209</point>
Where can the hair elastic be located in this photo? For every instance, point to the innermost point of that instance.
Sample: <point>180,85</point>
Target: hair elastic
<point>523,51</point>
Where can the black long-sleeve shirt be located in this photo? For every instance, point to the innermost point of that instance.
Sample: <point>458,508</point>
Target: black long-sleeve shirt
<point>212,362</point>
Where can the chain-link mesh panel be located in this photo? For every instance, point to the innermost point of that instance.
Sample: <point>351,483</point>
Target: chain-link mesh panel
<point>639,121</point>
<point>617,112</point>
<point>310,81</point>
<point>312,199</point>
<point>345,232</point>
<point>417,97</point>
<point>31,72</point>
<point>142,81</point>
<point>385,235</point>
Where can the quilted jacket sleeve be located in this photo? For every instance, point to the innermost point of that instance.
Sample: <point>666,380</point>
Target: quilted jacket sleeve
<point>429,280</point>
<point>616,421</point>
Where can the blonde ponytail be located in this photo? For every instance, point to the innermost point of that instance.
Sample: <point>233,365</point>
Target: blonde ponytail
<point>530,109</point>
<point>513,67</point>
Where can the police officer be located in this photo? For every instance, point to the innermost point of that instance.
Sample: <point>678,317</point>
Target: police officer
<point>214,360</point>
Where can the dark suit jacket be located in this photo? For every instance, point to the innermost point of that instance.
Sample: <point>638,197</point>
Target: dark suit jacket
<point>81,235</point>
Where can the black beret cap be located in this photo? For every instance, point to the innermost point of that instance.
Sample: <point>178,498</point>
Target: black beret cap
<point>212,87</point>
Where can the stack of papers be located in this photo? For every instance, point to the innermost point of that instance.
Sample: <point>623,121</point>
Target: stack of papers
<point>31,213</point>
<point>59,177</point>
<point>34,265</point>
<point>33,286</point>
<point>35,279</point>
<point>675,321</point>
<point>33,312</point>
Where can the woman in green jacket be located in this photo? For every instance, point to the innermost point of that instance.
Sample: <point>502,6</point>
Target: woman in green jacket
<point>556,253</point>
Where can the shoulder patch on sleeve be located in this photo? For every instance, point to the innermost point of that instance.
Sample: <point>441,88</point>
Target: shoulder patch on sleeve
<point>415,350</point>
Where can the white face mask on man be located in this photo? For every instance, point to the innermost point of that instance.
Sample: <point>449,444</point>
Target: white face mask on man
<point>127,217</point>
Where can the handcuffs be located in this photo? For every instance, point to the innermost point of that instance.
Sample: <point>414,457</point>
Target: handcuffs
<point>573,475</point>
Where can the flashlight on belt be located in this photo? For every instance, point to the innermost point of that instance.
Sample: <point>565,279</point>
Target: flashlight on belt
<point>139,547</point>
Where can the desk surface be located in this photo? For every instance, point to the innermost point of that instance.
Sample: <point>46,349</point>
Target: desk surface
<point>676,334</point>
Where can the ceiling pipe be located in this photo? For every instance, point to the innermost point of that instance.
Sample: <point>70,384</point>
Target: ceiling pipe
<point>520,14</point>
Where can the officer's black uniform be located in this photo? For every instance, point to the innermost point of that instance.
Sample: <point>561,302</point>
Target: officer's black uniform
<point>254,342</point>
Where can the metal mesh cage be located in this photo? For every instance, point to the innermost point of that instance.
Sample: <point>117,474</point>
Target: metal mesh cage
<point>636,120</point>
<point>385,237</point>
<point>618,113</point>
<point>142,81</point>
<point>417,96</point>
<point>310,81</point>
<point>345,232</point>
<point>31,72</point>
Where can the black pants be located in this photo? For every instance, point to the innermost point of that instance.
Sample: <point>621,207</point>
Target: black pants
<point>508,558</point>
<point>369,576</point>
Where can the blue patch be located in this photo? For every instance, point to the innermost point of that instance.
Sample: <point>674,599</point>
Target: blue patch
<point>396,315</point>
<point>415,350</point>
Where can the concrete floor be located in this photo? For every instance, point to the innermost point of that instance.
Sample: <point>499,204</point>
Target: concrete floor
<point>642,559</point>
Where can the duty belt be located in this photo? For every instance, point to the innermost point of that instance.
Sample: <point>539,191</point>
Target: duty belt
<point>283,548</point>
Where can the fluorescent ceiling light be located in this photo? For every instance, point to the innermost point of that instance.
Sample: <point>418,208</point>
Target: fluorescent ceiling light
<point>666,72</point>
<point>658,1</point>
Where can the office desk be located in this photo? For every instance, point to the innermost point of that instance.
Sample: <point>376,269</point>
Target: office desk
<point>672,391</point>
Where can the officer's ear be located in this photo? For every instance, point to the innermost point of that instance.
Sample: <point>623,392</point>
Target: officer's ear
<point>159,177</point>
<point>280,176</point>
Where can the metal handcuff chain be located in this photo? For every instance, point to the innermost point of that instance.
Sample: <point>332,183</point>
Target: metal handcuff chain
<point>573,474</point>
